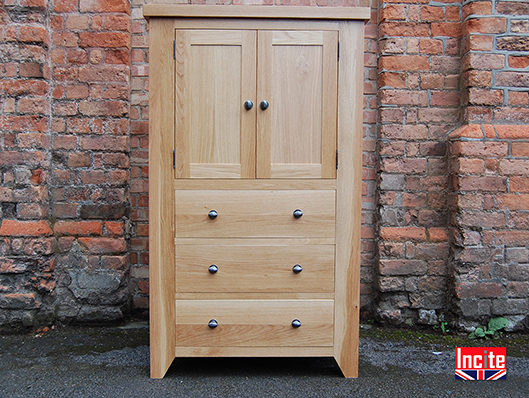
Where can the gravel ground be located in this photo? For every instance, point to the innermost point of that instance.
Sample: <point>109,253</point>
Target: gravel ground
<point>114,362</point>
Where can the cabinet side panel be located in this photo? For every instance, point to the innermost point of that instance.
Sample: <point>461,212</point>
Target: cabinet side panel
<point>161,196</point>
<point>349,200</point>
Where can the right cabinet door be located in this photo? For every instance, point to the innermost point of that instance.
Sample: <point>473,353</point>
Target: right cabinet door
<point>297,74</point>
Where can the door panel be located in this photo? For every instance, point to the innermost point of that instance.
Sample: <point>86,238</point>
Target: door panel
<point>215,74</point>
<point>296,135</point>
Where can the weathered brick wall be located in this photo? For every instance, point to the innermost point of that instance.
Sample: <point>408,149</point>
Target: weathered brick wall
<point>490,223</point>
<point>419,102</point>
<point>444,226</point>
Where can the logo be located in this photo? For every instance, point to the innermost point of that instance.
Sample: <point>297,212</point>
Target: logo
<point>481,363</point>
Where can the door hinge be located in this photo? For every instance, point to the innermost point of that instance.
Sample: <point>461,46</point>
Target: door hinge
<point>336,159</point>
<point>338,51</point>
<point>174,49</point>
<point>174,159</point>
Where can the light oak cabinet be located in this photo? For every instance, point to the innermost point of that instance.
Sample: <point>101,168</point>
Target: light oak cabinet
<point>254,226</point>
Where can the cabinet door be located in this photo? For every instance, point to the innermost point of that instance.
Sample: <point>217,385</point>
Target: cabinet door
<point>297,75</point>
<point>215,75</point>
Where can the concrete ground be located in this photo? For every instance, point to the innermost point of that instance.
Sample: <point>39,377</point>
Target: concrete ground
<point>114,362</point>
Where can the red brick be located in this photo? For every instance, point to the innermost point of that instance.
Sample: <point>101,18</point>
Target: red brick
<point>33,34</point>
<point>25,228</point>
<point>512,131</point>
<point>518,98</point>
<point>79,159</point>
<point>114,262</point>
<point>78,228</point>
<point>478,78</point>
<point>402,267</point>
<point>24,87</point>
<point>519,184</point>
<point>520,62</point>
<point>409,132</point>
<point>116,22</point>
<point>479,290</point>
<point>470,166</point>
<point>404,62</point>
<point>513,8</point>
<point>65,5</point>
<point>402,233</point>
<point>512,79</point>
<point>516,167</point>
<point>513,201</point>
<point>9,266</point>
<point>520,149</point>
<point>512,238</point>
<point>103,108</point>
<point>429,13</point>
<point>486,184</point>
<point>430,46</point>
<point>487,25</point>
<point>482,219</point>
<point>105,6</point>
<point>114,228</point>
<point>393,12</point>
<point>103,245</point>
<point>477,8</point>
<point>485,97</point>
<point>65,39</point>
<point>437,234</point>
<point>116,144</point>
<point>104,39</point>
<point>450,29</point>
<point>480,149</point>
<point>488,62</point>
<point>116,56</point>
<point>413,200</point>
<point>394,80</point>
<point>403,97</point>
<point>444,98</point>
<point>438,115</point>
<point>116,177</point>
<point>480,43</point>
<point>408,29</point>
<point>104,74</point>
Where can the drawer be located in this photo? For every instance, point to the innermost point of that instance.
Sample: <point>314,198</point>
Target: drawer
<point>255,213</point>
<point>254,323</point>
<point>250,269</point>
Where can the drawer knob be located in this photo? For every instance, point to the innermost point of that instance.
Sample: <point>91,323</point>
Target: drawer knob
<point>296,323</point>
<point>264,105</point>
<point>213,324</point>
<point>298,213</point>
<point>213,214</point>
<point>297,269</point>
<point>213,269</point>
<point>248,105</point>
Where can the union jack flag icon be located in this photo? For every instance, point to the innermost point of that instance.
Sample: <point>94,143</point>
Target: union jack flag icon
<point>481,374</point>
<point>481,363</point>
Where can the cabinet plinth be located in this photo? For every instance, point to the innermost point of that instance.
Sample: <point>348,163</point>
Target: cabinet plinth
<point>254,229</point>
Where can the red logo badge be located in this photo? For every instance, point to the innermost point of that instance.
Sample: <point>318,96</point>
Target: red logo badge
<point>481,363</point>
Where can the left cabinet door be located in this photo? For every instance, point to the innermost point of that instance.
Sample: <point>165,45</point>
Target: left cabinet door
<point>215,76</point>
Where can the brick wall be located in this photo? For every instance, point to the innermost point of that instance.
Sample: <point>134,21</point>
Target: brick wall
<point>444,220</point>
<point>490,223</point>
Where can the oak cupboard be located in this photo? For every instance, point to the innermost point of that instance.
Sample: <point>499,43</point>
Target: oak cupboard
<point>255,146</point>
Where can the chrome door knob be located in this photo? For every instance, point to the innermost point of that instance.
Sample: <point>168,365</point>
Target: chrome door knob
<point>213,269</point>
<point>297,269</point>
<point>298,213</point>
<point>213,214</point>
<point>213,324</point>
<point>296,323</point>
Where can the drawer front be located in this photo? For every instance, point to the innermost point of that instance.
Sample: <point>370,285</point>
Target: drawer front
<point>252,269</point>
<point>254,323</point>
<point>255,213</point>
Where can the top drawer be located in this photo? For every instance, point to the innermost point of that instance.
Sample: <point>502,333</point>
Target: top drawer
<point>255,213</point>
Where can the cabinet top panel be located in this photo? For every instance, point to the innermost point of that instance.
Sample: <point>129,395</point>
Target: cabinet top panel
<point>222,11</point>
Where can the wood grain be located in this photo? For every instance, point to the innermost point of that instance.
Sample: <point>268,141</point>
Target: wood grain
<point>161,199</point>
<point>254,268</point>
<point>255,213</point>
<point>254,323</point>
<point>254,352</point>
<point>349,200</point>
<point>224,184</point>
<point>215,11</point>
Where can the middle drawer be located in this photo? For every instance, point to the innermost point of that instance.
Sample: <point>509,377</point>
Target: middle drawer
<point>253,269</point>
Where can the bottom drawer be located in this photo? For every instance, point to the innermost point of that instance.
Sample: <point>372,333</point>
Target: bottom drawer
<point>257,323</point>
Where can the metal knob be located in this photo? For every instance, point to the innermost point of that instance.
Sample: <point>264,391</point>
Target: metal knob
<point>264,105</point>
<point>248,105</point>
<point>296,323</point>
<point>213,323</point>
<point>297,269</point>
<point>213,269</point>
<point>298,213</point>
<point>213,214</point>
